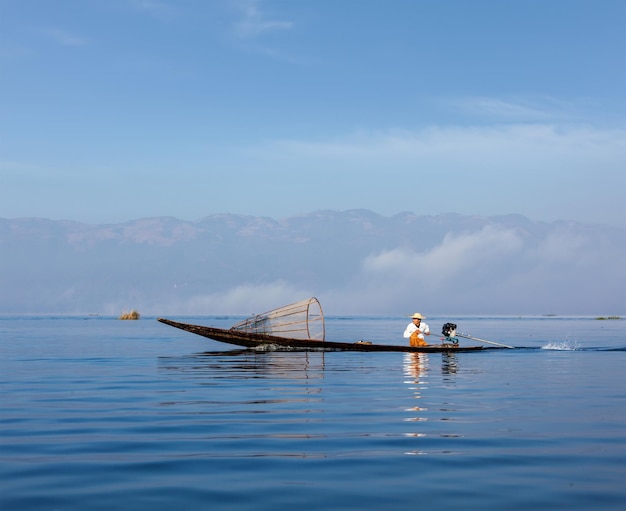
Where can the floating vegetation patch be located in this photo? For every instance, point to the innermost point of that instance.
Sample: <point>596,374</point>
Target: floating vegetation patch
<point>133,314</point>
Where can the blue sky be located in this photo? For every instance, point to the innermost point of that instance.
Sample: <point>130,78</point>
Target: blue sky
<point>112,110</point>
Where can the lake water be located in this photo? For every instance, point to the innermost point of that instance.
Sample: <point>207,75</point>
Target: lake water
<point>102,414</point>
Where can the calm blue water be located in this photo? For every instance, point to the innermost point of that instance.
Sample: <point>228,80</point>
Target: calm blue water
<point>101,414</point>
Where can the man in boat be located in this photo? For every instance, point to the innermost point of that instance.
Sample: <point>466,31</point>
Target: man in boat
<point>416,330</point>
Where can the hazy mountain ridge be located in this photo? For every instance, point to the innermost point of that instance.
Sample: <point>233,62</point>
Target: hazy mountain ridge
<point>356,260</point>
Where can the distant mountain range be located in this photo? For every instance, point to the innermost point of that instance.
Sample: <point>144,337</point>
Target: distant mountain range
<point>355,262</point>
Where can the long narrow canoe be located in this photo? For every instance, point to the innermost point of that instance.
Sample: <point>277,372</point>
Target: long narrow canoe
<point>264,342</point>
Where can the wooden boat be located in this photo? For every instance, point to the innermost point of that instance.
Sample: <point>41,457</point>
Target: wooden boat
<point>266,342</point>
<point>300,327</point>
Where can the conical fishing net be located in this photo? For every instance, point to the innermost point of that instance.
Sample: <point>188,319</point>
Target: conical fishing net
<point>300,320</point>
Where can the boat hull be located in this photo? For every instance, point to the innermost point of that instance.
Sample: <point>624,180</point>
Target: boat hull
<point>263,342</point>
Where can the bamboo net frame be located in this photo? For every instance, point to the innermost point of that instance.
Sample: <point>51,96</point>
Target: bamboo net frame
<point>299,320</point>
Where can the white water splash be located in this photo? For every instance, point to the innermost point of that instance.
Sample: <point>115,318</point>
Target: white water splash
<point>561,346</point>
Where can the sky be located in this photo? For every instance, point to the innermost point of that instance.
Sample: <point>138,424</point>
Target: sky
<point>112,110</point>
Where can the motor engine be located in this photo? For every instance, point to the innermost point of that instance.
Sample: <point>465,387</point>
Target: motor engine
<point>449,330</point>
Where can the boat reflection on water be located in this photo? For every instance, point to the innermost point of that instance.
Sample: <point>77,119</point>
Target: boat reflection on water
<point>418,371</point>
<point>448,365</point>
<point>244,364</point>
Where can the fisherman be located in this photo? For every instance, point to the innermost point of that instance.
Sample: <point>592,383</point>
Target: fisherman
<point>416,330</point>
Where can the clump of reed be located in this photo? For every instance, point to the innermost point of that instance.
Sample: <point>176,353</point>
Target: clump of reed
<point>608,317</point>
<point>132,314</point>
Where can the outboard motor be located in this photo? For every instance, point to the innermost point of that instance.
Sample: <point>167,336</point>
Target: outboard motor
<point>449,332</point>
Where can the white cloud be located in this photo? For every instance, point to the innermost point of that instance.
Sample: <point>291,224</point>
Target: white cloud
<point>560,247</point>
<point>507,143</point>
<point>494,269</point>
<point>254,22</point>
<point>513,109</point>
<point>534,108</point>
<point>455,256</point>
